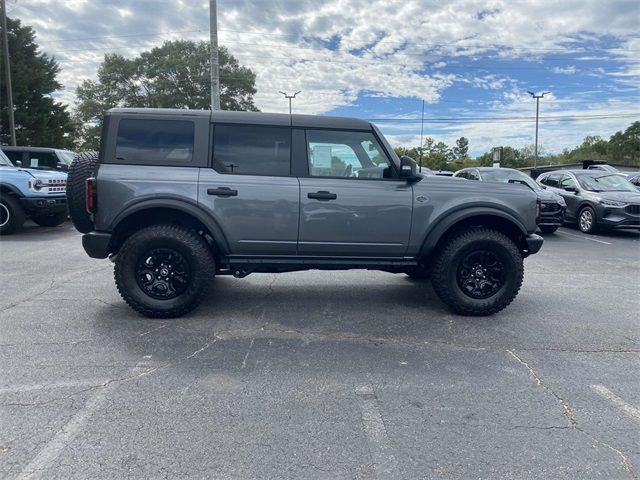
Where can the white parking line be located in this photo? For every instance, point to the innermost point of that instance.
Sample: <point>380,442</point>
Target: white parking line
<point>37,467</point>
<point>50,386</point>
<point>386,465</point>
<point>583,238</point>
<point>617,401</point>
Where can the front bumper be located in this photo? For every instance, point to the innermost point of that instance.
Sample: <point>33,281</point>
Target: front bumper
<point>534,243</point>
<point>618,217</point>
<point>44,205</point>
<point>96,244</point>
<point>553,217</point>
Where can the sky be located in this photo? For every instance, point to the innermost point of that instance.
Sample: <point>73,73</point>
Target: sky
<point>470,62</point>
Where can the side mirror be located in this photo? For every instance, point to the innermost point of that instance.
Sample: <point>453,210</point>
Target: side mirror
<point>18,163</point>
<point>408,168</point>
<point>570,189</point>
<point>62,166</point>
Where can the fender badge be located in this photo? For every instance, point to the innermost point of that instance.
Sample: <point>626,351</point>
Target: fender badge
<point>421,199</point>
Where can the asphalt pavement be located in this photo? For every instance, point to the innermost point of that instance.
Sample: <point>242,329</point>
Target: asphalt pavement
<point>321,375</point>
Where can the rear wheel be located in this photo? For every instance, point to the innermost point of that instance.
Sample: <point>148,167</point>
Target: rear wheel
<point>12,215</point>
<point>478,272</point>
<point>587,220</point>
<point>52,220</point>
<point>164,271</point>
<point>83,167</point>
<point>548,228</point>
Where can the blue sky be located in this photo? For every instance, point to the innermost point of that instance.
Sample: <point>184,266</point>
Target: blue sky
<point>471,62</point>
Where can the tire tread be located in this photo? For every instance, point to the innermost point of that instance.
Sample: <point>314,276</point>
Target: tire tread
<point>190,238</point>
<point>445,256</point>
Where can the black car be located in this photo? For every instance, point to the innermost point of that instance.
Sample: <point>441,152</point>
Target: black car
<point>552,205</point>
<point>596,199</point>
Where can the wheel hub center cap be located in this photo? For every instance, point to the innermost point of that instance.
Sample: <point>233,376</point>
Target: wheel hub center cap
<point>164,272</point>
<point>479,273</point>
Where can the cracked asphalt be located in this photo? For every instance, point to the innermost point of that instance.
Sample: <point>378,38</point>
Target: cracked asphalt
<point>320,375</point>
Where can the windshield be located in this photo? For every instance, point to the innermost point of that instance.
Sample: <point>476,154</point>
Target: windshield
<point>504,175</point>
<point>4,161</point>
<point>597,182</point>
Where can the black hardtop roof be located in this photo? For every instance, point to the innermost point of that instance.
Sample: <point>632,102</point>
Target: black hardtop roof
<point>31,149</point>
<point>253,118</point>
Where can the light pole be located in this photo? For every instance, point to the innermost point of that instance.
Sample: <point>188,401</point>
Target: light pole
<point>290,97</point>
<point>213,52</point>
<point>537,97</point>
<point>7,69</point>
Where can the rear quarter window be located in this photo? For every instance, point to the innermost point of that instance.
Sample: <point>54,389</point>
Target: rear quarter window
<point>155,142</point>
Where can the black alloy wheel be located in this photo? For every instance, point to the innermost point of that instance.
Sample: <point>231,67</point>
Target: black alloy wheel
<point>163,273</point>
<point>480,274</point>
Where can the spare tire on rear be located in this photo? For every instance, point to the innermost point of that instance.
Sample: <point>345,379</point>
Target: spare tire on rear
<point>83,166</point>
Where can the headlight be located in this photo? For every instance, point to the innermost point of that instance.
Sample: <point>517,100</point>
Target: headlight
<point>36,185</point>
<point>561,202</point>
<point>612,203</point>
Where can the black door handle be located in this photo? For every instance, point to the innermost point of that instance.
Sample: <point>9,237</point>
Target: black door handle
<point>322,195</point>
<point>222,192</point>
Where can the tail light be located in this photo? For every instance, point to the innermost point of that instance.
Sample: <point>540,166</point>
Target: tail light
<point>90,197</point>
<point>538,212</point>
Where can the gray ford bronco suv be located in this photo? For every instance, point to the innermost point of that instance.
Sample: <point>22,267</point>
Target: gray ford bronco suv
<point>176,197</point>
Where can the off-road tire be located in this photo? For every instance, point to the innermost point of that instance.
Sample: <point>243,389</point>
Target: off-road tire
<point>12,214</point>
<point>594,226</point>
<point>83,166</point>
<point>52,220</point>
<point>189,244</point>
<point>548,229</point>
<point>449,258</point>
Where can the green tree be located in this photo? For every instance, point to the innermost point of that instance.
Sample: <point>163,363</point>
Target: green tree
<point>437,156</point>
<point>174,75</point>
<point>40,120</point>
<point>461,150</point>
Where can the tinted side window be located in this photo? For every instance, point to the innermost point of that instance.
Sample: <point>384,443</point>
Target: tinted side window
<point>473,175</point>
<point>15,157</point>
<point>553,181</point>
<point>567,181</point>
<point>155,141</point>
<point>334,153</point>
<point>252,150</point>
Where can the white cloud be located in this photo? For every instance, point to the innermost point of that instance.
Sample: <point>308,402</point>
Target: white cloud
<point>570,70</point>
<point>377,47</point>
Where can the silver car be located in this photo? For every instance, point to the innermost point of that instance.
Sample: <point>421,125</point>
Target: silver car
<point>595,199</point>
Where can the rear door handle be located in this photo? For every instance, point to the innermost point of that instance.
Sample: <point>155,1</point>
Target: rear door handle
<point>322,195</point>
<point>222,192</point>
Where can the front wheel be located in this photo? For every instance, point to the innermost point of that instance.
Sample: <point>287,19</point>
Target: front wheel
<point>587,220</point>
<point>164,271</point>
<point>52,220</point>
<point>12,215</point>
<point>478,272</point>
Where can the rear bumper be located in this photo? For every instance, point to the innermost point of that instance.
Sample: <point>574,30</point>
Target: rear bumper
<point>96,244</point>
<point>534,243</point>
<point>44,205</point>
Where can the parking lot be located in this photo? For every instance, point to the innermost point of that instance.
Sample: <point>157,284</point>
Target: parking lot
<point>321,374</point>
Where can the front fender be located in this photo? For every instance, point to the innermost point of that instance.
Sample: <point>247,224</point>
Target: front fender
<point>449,220</point>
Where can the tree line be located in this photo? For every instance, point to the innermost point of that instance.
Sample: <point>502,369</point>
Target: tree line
<point>622,148</point>
<point>177,75</point>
